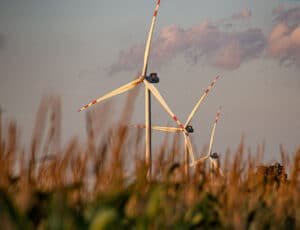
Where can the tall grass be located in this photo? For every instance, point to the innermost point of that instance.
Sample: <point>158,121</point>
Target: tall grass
<point>90,186</point>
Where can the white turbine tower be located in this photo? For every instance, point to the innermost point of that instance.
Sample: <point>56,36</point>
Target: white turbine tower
<point>149,87</point>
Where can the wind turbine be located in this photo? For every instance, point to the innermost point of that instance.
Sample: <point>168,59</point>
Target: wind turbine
<point>187,128</point>
<point>213,157</point>
<point>149,87</point>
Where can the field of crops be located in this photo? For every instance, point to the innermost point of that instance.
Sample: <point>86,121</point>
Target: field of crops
<point>90,186</point>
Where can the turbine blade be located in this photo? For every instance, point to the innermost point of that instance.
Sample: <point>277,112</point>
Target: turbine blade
<point>190,148</point>
<point>161,128</point>
<point>214,163</point>
<point>167,129</point>
<point>120,90</point>
<point>148,44</point>
<point>213,131</point>
<point>216,166</point>
<point>199,161</point>
<point>200,101</point>
<point>161,100</point>
<point>221,171</point>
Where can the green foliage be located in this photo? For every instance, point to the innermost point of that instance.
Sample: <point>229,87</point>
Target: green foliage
<point>205,213</point>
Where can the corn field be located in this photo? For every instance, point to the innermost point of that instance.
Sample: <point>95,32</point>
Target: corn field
<point>100,183</point>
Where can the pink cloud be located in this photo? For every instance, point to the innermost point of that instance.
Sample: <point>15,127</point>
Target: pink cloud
<point>243,14</point>
<point>229,57</point>
<point>211,44</point>
<point>205,42</point>
<point>289,16</point>
<point>278,9</point>
<point>284,39</point>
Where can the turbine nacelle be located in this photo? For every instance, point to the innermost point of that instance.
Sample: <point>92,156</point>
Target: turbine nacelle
<point>152,78</point>
<point>214,156</point>
<point>189,129</point>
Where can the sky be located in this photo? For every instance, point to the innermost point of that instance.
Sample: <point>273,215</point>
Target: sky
<point>81,50</point>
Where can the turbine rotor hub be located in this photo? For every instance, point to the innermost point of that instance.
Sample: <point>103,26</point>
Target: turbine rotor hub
<point>189,129</point>
<point>214,156</point>
<point>152,78</point>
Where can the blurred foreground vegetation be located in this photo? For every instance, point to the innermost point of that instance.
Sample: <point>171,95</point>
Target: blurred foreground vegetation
<point>89,185</point>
